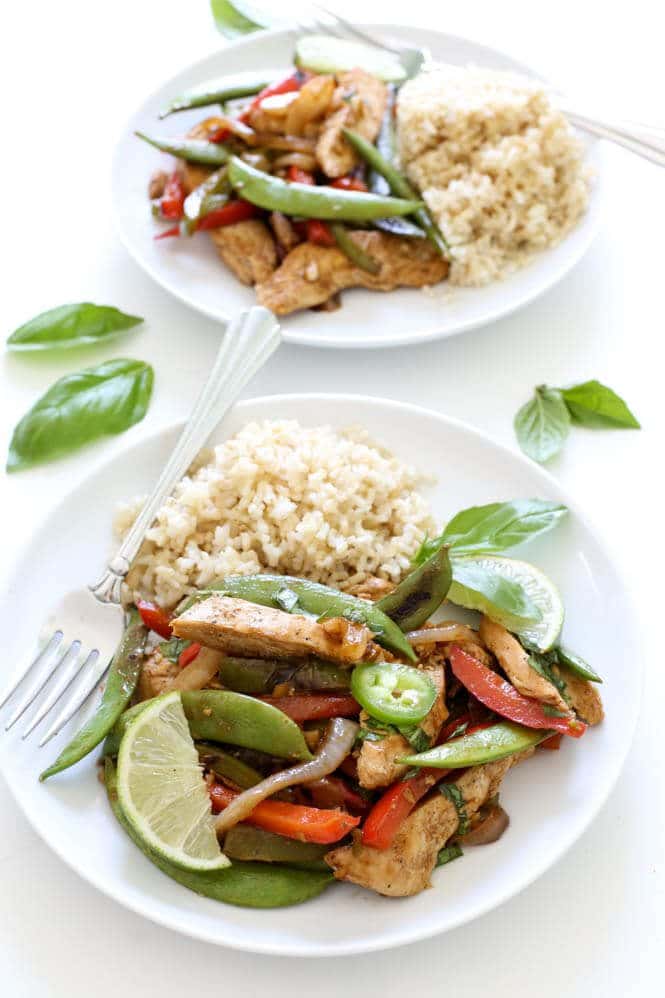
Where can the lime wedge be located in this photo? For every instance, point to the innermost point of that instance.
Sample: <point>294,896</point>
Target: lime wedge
<point>538,590</point>
<point>161,789</point>
<point>325,54</point>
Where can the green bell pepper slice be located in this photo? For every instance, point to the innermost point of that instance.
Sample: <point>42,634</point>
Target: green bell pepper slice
<point>326,203</point>
<point>311,598</point>
<point>422,592</point>
<point>251,885</point>
<point>244,842</point>
<point>258,675</point>
<point>226,766</point>
<point>232,718</point>
<point>120,685</point>
<point>483,746</point>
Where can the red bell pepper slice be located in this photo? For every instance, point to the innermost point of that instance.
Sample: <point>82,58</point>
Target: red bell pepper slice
<point>393,808</point>
<point>315,706</point>
<point>553,743</point>
<point>173,199</point>
<point>295,821</point>
<point>168,233</point>
<point>349,183</point>
<point>155,618</point>
<point>219,134</point>
<point>295,175</point>
<point>188,654</point>
<point>501,697</point>
<point>285,86</point>
<point>319,232</point>
<point>333,791</point>
<point>228,214</point>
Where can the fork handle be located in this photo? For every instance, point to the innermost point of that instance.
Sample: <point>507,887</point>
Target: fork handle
<point>249,340</point>
<point>643,140</point>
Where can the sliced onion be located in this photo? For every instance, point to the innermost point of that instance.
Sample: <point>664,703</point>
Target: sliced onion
<point>337,743</point>
<point>447,631</point>
<point>303,160</point>
<point>200,671</point>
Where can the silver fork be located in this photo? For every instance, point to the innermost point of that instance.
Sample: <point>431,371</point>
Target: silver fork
<point>644,140</point>
<point>83,630</point>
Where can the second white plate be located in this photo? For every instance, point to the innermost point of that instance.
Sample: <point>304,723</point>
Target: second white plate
<point>551,799</point>
<point>193,272</point>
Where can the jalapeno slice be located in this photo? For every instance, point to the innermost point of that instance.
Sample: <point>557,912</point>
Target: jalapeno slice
<point>392,692</point>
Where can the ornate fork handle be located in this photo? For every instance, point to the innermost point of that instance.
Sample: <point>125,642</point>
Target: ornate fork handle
<point>248,342</point>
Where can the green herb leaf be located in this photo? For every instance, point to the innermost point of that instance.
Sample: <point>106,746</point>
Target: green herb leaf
<point>495,527</point>
<point>418,739</point>
<point>79,408</point>
<point>456,797</point>
<point>542,425</point>
<point>71,326</point>
<point>542,662</point>
<point>474,587</point>
<point>173,648</point>
<point>448,854</point>
<point>552,711</point>
<point>596,405</point>
<point>231,20</point>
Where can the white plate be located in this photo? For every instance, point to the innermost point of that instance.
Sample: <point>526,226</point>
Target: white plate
<point>192,271</point>
<point>551,799</point>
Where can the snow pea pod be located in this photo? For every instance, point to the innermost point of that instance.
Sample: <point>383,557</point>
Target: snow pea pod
<point>257,675</point>
<point>215,92</point>
<point>224,716</point>
<point>120,684</point>
<point>422,592</point>
<point>202,199</point>
<point>400,186</point>
<point>256,844</point>
<point>486,745</point>
<point>312,598</point>
<point>355,253</point>
<point>308,201</point>
<point>251,885</point>
<point>193,150</point>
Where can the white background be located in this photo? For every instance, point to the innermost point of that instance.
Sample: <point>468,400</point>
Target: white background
<point>71,73</point>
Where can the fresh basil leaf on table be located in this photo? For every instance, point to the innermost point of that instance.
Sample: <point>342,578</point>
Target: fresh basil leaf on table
<point>495,527</point>
<point>230,19</point>
<point>81,407</point>
<point>70,326</point>
<point>543,424</point>
<point>594,404</point>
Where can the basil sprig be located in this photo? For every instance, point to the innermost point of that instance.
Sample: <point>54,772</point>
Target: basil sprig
<point>70,326</point>
<point>81,407</point>
<point>543,423</point>
<point>231,20</point>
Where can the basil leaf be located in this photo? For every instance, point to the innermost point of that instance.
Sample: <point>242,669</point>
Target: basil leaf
<point>596,405</point>
<point>448,854</point>
<point>71,326</point>
<point>173,648</point>
<point>542,662</point>
<point>552,711</point>
<point>542,425</point>
<point>418,739</point>
<point>456,798</point>
<point>474,587</point>
<point>79,408</point>
<point>231,20</point>
<point>501,525</point>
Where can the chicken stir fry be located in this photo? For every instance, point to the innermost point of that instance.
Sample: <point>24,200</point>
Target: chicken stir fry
<point>331,734</point>
<point>296,184</point>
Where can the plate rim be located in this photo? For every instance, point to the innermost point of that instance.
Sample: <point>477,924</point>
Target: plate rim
<point>332,341</point>
<point>406,936</point>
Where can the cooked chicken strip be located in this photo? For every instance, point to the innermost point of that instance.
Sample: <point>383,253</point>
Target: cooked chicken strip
<point>515,662</point>
<point>376,762</point>
<point>405,868</point>
<point>361,99</point>
<point>238,627</point>
<point>157,673</point>
<point>583,695</point>
<point>248,249</point>
<point>311,274</point>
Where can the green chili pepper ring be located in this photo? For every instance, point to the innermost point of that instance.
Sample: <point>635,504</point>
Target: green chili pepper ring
<point>120,684</point>
<point>392,692</point>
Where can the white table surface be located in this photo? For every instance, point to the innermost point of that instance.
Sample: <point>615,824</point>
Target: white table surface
<point>71,74</point>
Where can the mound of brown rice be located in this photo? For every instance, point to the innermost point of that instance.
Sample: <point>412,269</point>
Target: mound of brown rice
<point>330,506</point>
<point>501,170</point>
